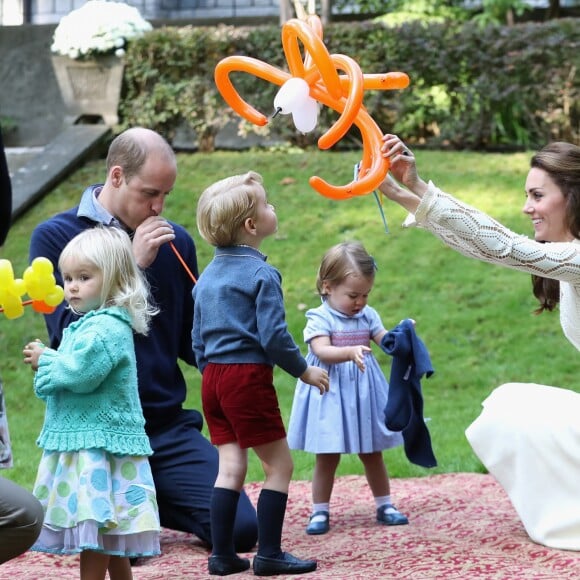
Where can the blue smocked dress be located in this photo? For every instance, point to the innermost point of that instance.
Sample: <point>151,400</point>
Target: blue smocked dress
<point>349,418</point>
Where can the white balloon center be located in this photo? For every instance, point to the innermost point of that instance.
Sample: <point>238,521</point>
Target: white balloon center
<point>294,97</point>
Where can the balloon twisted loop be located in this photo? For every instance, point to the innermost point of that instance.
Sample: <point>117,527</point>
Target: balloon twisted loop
<point>312,80</point>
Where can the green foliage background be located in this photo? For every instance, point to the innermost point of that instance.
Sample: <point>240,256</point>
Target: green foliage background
<point>474,87</point>
<point>476,319</point>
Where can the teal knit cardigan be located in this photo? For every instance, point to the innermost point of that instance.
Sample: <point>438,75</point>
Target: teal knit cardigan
<point>90,388</point>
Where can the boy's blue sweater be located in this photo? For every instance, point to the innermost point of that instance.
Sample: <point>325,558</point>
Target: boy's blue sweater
<point>162,385</point>
<point>239,313</point>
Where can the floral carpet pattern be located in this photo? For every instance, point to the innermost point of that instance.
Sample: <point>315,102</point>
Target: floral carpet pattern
<point>461,526</point>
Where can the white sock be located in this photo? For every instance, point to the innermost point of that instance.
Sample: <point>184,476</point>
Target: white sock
<point>382,500</point>
<point>320,507</point>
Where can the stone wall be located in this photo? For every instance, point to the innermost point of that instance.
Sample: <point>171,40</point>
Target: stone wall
<point>29,95</point>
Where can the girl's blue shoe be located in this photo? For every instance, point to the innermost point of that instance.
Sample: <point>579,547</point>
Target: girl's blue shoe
<point>388,515</point>
<point>319,523</point>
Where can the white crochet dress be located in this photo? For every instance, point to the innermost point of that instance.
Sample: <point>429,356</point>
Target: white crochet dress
<point>527,436</point>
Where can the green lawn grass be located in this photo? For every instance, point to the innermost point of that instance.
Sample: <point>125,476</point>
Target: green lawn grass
<point>476,319</point>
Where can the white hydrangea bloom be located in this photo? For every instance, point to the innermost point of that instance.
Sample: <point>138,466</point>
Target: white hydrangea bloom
<point>98,27</point>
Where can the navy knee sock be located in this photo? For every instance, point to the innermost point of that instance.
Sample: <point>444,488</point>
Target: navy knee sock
<point>271,510</point>
<point>224,503</point>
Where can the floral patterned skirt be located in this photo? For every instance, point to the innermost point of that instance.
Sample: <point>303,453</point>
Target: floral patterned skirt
<point>94,500</point>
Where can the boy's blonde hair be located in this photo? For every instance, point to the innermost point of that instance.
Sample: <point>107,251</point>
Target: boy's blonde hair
<point>224,206</point>
<point>110,250</point>
<point>344,259</point>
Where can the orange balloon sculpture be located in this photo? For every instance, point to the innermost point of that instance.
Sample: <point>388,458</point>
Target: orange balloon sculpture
<point>317,78</point>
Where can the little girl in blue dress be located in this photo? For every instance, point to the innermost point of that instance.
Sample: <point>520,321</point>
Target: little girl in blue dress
<point>350,417</point>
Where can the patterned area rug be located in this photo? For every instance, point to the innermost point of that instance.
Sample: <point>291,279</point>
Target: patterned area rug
<point>462,526</point>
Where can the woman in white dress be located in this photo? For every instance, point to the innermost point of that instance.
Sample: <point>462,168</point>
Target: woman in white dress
<point>527,436</point>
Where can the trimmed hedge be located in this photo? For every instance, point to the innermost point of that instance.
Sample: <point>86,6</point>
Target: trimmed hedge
<point>471,87</point>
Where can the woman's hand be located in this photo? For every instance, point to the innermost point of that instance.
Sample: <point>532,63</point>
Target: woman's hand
<point>403,169</point>
<point>403,163</point>
<point>32,352</point>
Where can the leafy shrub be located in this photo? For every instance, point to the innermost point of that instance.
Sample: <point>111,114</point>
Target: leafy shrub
<point>471,86</point>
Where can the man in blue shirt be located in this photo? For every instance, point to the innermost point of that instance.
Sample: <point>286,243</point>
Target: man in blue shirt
<point>141,171</point>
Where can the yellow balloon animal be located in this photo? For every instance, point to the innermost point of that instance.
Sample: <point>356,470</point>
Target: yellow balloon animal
<point>38,282</point>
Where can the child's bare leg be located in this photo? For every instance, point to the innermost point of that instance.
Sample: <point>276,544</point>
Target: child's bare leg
<point>378,479</point>
<point>376,473</point>
<point>233,465</point>
<point>322,484</point>
<point>277,464</point>
<point>94,565</point>
<point>323,478</point>
<point>120,568</point>
<point>271,559</point>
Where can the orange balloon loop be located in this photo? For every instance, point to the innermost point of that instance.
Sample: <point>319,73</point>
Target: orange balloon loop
<point>316,24</point>
<point>297,29</point>
<point>333,80</point>
<point>231,96</point>
<point>352,103</point>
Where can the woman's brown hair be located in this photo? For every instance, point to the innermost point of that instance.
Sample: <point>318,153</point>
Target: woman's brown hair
<point>561,161</point>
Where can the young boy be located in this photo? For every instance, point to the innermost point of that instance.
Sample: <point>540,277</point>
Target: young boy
<point>239,334</point>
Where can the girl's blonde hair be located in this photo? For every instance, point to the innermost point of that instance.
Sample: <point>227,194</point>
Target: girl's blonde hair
<point>224,206</point>
<point>344,259</point>
<point>110,251</point>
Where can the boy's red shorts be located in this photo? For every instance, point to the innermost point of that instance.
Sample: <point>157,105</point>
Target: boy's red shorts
<point>240,404</point>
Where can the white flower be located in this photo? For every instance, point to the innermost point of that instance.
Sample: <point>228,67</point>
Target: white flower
<point>98,27</point>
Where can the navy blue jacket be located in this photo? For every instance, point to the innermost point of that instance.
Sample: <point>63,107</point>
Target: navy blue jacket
<point>404,410</point>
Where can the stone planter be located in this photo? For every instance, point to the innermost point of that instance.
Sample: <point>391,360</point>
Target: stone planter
<point>90,88</point>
